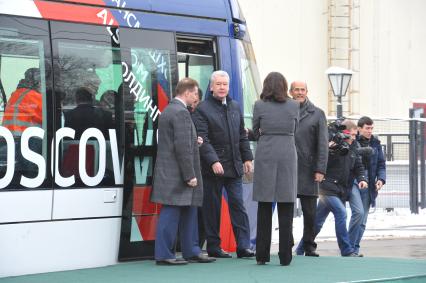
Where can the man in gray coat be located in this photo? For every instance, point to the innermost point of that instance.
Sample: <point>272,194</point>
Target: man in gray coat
<point>312,154</point>
<point>177,180</point>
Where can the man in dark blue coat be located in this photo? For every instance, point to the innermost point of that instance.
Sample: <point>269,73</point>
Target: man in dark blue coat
<point>225,157</point>
<point>375,166</point>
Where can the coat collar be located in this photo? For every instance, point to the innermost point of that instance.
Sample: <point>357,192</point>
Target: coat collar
<point>306,109</point>
<point>219,102</point>
<point>177,102</point>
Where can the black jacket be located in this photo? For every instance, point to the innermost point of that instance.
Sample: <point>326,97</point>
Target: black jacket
<point>340,173</point>
<point>312,148</point>
<point>86,116</point>
<point>224,136</point>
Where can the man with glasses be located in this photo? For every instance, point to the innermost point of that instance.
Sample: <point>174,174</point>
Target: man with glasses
<point>312,153</point>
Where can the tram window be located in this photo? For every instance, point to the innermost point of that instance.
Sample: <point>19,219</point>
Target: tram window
<point>87,78</point>
<point>250,80</point>
<point>23,103</point>
<point>196,60</point>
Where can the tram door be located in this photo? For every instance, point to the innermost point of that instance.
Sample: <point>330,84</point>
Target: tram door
<point>149,75</point>
<point>151,69</point>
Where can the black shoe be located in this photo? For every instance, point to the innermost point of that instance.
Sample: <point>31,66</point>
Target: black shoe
<point>171,262</point>
<point>311,253</point>
<point>245,253</point>
<point>353,255</point>
<point>219,254</point>
<point>200,259</point>
<point>360,255</point>
<point>261,262</point>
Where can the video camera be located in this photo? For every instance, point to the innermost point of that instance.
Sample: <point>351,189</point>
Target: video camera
<point>336,135</point>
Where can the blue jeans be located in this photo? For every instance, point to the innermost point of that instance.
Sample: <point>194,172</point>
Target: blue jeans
<point>333,204</point>
<point>359,200</point>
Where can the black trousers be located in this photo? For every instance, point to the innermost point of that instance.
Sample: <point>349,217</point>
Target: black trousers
<point>264,227</point>
<point>309,209</point>
<point>212,204</point>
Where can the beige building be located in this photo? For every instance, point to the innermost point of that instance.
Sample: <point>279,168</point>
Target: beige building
<point>382,41</point>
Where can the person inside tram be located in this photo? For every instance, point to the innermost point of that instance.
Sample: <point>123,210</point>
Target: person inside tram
<point>24,109</point>
<point>107,100</point>
<point>86,115</point>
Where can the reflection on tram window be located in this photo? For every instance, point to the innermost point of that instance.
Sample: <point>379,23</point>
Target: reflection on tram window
<point>152,70</point>
<point>90,78</point>
<point>23,96</point>
<point>250,80</point>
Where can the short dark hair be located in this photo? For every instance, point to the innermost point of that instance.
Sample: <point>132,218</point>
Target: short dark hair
<point>200,94</point>
<point>364,120</point>
<point>83,94</point>
<point>184,85</point>
<point>275,88</point>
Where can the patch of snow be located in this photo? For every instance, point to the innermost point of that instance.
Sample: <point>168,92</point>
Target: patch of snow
<point>399,223</point>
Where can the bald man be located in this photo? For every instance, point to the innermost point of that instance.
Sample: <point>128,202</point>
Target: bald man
<point>312,153</point>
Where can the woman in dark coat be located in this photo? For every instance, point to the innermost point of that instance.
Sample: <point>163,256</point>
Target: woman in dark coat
<point>275,119</point>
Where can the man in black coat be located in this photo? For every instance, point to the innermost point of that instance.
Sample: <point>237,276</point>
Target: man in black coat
<point>87,115</point>
<point>312,153</point>
<point>225,157</point>
<point>341,170</point>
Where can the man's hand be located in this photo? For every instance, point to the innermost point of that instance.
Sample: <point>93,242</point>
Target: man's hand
<point>248,167</point>
<point>217,168</point>
<point>379,185</point>
<point>192,183</point>
<point>363,185</point>
<point>200,141</point>
<point>318,177</point>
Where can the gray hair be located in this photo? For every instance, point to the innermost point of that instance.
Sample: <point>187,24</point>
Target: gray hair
<point>218,73</point>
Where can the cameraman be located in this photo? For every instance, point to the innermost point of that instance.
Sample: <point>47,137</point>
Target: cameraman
<point>375,166</point>
<point>343,164</point>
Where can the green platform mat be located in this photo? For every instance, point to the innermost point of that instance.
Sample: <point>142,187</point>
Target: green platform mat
<point>302,269</point>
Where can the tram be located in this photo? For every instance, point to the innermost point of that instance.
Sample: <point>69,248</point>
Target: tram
<point>74,185</point>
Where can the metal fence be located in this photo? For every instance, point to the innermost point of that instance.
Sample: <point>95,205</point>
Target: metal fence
<point>394,138</point>
<point>404,146</point>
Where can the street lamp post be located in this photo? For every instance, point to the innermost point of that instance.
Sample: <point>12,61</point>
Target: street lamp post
<point>339,79</point>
